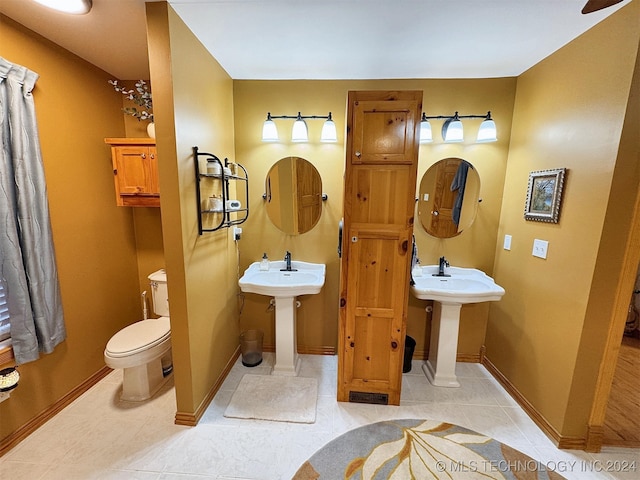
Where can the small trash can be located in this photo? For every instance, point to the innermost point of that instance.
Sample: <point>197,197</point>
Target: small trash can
<point>251,347</point>
<point>409,348</point>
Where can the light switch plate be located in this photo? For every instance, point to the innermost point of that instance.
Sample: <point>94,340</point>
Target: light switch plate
<point>540,248</point>
<point>507,242</point>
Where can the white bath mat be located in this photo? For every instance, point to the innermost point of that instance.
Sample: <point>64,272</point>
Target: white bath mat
<point>276,398</point>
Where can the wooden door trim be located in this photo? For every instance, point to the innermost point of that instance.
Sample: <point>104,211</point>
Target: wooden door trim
<point>595,430</point>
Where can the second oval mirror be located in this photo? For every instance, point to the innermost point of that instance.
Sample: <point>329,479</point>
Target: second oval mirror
<point>293,195</point>
<point>448,199</point>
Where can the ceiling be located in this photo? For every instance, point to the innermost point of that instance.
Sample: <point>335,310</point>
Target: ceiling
<point>329,39</point>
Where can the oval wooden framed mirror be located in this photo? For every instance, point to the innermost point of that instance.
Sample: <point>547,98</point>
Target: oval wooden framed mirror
<point>293,197</point>
<point>448,200</point>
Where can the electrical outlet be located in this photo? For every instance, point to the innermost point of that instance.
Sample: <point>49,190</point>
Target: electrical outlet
<point>507,242</point>
<point>237,233</point>
<point>540,248</point>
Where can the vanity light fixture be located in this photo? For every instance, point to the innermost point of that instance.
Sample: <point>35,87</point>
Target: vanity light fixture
<point>75,7</point>
<point>269,130</point>
<point>487,131</point>
<point>425,130</point>
<point>453,131</point>
<point>329,133</point>
<point>299,133</point>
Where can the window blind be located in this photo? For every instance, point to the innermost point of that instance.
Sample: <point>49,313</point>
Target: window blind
<point>4,315</point>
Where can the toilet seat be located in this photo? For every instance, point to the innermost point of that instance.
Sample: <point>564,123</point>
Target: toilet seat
<point>138,337</point>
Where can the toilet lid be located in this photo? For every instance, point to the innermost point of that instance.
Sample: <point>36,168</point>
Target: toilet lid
<point>139,336</point>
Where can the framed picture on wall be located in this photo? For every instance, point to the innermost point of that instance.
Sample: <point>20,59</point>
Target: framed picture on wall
<point>544,195</point>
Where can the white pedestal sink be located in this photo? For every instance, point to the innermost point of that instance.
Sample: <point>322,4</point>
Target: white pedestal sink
<point>449,293</point>
<point>304,278</point>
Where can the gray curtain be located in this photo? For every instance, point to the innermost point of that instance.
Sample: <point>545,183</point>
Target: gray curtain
<point>27,260</point>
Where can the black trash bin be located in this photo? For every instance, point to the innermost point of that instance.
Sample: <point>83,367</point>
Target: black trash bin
<point>409,347</point>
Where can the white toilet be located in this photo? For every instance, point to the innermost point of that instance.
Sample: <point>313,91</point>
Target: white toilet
<point>143,349</point>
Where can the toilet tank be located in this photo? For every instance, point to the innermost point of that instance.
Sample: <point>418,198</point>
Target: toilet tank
<point>159,293</point>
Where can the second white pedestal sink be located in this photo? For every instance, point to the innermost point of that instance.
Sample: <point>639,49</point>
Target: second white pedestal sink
<point>449,293</point>
<point>304,278</point>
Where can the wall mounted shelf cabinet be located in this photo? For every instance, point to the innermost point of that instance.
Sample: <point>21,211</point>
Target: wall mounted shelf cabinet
<point>219,186</point>
<point>135,171</point>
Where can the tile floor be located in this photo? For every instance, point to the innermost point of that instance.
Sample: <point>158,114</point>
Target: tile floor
<point>100,437</point>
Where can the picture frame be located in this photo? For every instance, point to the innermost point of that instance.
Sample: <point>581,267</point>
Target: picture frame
<point>544,195</point>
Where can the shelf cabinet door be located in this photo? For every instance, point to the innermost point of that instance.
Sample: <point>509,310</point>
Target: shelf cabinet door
<point>135,169</point>
<point>383,131</point>
<point>380,184</point>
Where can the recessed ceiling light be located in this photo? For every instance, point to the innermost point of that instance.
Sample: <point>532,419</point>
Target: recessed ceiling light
<point>75,7</point>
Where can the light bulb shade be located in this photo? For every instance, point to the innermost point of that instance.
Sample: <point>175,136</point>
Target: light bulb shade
<point>299,133</point>
<point>269,131</point>
<point>425,132</point>
<point>75,7</point>
<point>487,132</point>
<point>452,131</point>
<point>329,133</point>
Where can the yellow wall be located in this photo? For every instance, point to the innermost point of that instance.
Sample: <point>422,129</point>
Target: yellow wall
<point>569,112</point>
<point>193,106</point>
<point>147,221</point>
<point>94,240</point>
<point>147,224</point>
<point>318,314</point>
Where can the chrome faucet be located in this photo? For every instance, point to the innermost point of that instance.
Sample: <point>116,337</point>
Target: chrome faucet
<point>287,261</point>
<point>443,263</point>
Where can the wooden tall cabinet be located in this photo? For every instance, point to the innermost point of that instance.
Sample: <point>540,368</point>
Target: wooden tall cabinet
<point>135,171</point>
<point>379,199</point>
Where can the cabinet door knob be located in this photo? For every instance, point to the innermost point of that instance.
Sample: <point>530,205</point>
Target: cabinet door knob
<point>435,213</point>
<point>152,156</point>
<point>143,155</point>
<point>394,345</point>
<point>358,154</point>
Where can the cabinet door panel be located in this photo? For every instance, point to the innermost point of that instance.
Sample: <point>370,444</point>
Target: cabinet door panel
<point>153,185</point>
<point>383,132</point>
<point>378,258</point>
<point>369,206</point>
<point>374,310</point>
<point>136,170</point>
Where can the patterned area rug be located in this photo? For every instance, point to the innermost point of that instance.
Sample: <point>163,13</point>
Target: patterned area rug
<point>419,449</point>
<point>276,398</point>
